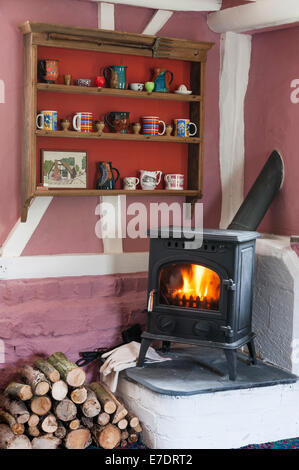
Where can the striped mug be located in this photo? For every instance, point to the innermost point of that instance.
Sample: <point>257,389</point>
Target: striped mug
<point>151,125</point>
<point>82,122</point>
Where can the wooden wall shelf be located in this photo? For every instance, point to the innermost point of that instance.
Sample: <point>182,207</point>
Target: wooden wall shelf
<point>116,192</point>
<point>117,93</point>
<point>115,136</point>
<point>97,40</point>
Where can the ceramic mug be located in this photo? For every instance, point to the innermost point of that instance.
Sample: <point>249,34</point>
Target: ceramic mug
<point>136,86</point>
<point>82,122</point>
<point>47,120</point>
<point>182,128</point>
<point>117,75</point>
<point>174,181</point>
<point>130,182</point>
<point>151,125</point>
<point>150,179</point>
<point>118,121</point>
<point>83,82</point>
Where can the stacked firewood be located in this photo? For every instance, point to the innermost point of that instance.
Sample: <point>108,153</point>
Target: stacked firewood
<point>54,408</point>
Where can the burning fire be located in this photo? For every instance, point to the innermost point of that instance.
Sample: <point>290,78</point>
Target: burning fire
<point>201,287</point>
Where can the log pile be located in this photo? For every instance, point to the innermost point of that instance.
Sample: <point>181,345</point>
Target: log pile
<point>52,407</point>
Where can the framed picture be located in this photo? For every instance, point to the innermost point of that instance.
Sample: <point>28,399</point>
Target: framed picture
<point>64,168</point>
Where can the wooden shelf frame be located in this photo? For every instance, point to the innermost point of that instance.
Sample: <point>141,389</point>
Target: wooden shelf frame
<point>44,34</point>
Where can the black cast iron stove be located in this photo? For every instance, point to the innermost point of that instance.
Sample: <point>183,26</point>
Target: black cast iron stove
<point>201,294</point>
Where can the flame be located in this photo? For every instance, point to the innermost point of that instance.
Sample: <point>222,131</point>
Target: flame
<point>201,283</point>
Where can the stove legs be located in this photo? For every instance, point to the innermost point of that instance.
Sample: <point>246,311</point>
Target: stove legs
<point>145,344</point>
<point>251,350</point>
<point>166,346</point>
<point>231,357</point>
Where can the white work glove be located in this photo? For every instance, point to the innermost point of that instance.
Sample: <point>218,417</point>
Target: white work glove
<point>124,357</point>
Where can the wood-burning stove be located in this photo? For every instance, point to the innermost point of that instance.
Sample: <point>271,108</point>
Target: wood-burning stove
<point>201,293</point>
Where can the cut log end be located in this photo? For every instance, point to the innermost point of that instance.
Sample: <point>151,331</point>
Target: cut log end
<point>49,424</point>
<point>76,377</point>
<point>40,405</point>
<point>46,442</point>
<point>59,390</point>
<point>79,395</point>
<point>78,439</point>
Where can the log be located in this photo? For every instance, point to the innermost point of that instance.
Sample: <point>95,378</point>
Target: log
<point>79,395</point>
<point>19,390</point>
<point>120,413</point>
<point>107,437</point>
<point>17,408</point>
<point>104,398</point>
<point>36,379</point>
<point>40,405</point>
<point>124,435</point>
<point>121,410</point>
<point>133,437</point>
<point>33,420</point>
<point>59,390</point>
<point>122,424</point>
<point>133,420</point>
<point>7,418</point>
<point>74,424</point>
<point>66,410</point>
<point>46,442</point>
<point>60,431</point>
<point>49,424</point>
<point>91,407</point>
<point>33,431</point>
<point>87,422</point>
<point>47,369</point>
<point>8,440</point>
<point>123,443</point>
<point>138,429</point>
<point>78,439</point>
<point>103,419</point>
<point>70,372</point>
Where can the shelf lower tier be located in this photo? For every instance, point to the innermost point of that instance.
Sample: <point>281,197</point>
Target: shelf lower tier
<point>111,136</point>
<point>118,192</point>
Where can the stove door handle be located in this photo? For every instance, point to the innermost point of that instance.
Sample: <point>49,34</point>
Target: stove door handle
<point>150,303</point>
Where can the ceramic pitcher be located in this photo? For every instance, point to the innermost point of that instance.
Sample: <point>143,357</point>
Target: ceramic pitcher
<point>106,179</point>
<point>150,179</point>
<point>117,76</point>
<point>48,70</point>
<point>162,80</point>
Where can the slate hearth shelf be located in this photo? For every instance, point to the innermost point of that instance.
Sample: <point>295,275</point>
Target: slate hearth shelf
<point>112,136</point>
<point>188,58</point>
<point>115,92</point>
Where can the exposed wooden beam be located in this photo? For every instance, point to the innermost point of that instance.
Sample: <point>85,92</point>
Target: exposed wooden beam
<point>157,22</point>
<point>254,16</point>
<point>106,16</point>
<point>2,91</point>
<point>175,5</point>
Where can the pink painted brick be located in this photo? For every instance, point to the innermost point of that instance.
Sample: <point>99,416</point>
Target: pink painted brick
<point>6,329</point>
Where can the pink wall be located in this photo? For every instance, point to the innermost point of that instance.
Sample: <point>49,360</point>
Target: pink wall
<point>271,122</point>
<point>15,12</point>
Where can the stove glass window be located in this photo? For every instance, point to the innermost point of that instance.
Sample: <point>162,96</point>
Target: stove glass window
<point>189,286</point>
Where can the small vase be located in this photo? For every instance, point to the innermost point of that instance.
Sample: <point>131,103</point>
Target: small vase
<point>169,130</point>
<point>136,128</point>
<point>65,124</point>
<point>100,126</point>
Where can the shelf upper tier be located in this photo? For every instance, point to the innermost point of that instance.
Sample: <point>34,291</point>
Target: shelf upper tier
<point>116,92</point>
<point>115,192</point>
<point>115,136</point>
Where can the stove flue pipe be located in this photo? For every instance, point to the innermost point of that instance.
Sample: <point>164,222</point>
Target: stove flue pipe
<point>260,196</point>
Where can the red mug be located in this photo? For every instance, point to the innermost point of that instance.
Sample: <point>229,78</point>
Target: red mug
<point>100,81</point>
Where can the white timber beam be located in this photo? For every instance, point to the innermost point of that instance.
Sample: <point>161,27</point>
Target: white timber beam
<point>175,5</point>
<point>157,22</point>
<point>2,91</point>
<point>234,72</point>
<point>21,233</point>
<point>254,16</point>
<point>106,16</point>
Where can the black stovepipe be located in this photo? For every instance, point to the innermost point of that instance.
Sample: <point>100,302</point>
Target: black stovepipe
<point>260,196</point>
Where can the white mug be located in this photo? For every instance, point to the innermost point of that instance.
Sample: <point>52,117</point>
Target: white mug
<point>174,181</point>
<point>130,182</point>
<point>150,179</point>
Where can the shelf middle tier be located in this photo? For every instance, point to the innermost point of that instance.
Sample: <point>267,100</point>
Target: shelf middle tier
<point>112,136</point>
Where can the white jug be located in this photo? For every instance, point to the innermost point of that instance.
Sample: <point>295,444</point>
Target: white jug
<point>150,179</point>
